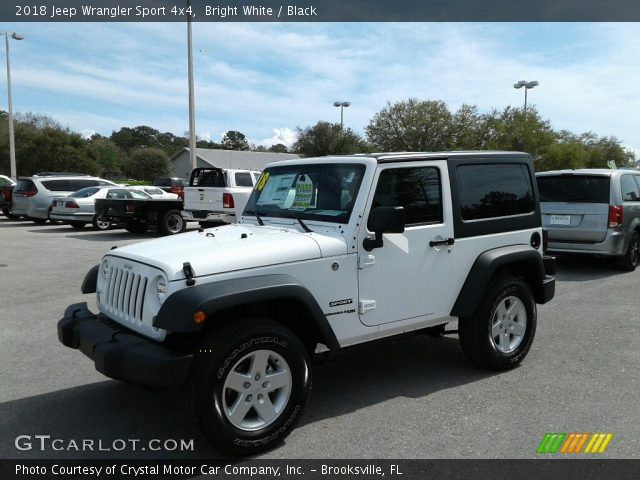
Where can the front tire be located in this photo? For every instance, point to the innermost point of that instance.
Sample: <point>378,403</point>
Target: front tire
<point>500,334</point>
<point>172,223</point>
<point>249,384</point>
<point>629,261</point>
<point>77,225</point>
<point>39,221</point>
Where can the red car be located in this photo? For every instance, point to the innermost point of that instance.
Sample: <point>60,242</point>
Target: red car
<point>6,187</point>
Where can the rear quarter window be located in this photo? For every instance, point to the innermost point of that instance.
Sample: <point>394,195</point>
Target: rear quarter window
<point>243,179</point>
<point>25,186</point>
<point>629,189</point>
<point>495,190</point>
<point>574,188</point>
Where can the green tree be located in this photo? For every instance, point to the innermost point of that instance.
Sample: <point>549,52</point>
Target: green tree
<point>234,140</point>
<point>147,163</point>
<point>563,155</point>
<point>326,138</point>
<point>106,154</point>
<point>513,129</point>
<point>278,148</point>
<point>412,125</point>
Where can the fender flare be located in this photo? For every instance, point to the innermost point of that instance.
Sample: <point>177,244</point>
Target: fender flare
<point>176,313</point>
<point>487,264</point>
<point>90,282</point>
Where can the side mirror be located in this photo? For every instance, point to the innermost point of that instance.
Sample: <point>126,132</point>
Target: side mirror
<point>383,220</point>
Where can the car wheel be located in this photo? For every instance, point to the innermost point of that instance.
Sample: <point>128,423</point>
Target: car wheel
<point>629,261</point>
<point>135,227</point>
<point>249,385</point>
<point>39,221</point>
<point>500,334</point>
<point>7,213</point>
<point>172,223</point>
<point>77,225</point>
<point>100,223</point>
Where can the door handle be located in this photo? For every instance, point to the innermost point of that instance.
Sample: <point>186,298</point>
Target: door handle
<point>440,243</point>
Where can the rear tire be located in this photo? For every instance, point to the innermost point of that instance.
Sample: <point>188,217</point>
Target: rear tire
<point>7,213</point>
<point>77,225</point>
<point>100,223</point>
<point>136,227</point>
<point>38,221</point>
<point>629,261</point>
<point>249,384</point>
<point>172,223</point>
<point>501,332</point>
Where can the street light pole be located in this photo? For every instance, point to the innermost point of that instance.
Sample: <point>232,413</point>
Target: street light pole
<point>527,86</point>
<point>12,145</point>
<point>342,105</point>
<point>192,113</point>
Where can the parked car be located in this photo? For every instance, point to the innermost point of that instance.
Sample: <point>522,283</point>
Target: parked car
<point>171,185</point>
<point>592,211</point>
<point>32,196</point>
<point>140,214</point>
<point>6,188</point>
<point>217,195</point>
<point>79,208</point>
<point>365,247</point>
<point>156,192</point>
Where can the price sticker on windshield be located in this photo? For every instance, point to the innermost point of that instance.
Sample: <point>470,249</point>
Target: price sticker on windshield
<point>304,192</point>
<point>262,181</point>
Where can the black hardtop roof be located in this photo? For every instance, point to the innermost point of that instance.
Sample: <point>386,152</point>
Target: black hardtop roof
<point>385,157</point>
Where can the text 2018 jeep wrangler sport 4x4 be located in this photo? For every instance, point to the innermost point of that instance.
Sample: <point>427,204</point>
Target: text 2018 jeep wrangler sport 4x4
<point>329,252</point>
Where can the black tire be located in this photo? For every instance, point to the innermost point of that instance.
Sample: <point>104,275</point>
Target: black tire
<point>7,213</point>
<point>77,225</point>
<point>172,223</point>
<point>223,353</point>
<point>629,261</point>
<point>477,333</point>
<point>136,227</point>
<point>100,223</point>
<point>39,221</point>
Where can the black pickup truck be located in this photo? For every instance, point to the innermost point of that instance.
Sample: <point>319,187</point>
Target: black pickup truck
<point>138,215</point>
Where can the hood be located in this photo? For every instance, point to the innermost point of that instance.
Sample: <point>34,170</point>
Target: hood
<point>229,248</point>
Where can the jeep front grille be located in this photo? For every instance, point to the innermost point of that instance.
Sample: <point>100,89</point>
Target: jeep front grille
<point>125,293</point>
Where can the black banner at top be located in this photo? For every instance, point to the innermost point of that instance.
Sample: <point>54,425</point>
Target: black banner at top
<point>319,10</point>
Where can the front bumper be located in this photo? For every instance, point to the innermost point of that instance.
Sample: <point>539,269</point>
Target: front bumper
<point>119,353</point>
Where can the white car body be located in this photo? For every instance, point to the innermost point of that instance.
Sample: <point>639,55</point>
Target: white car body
<point>80,206</point>
<point>156,192</point>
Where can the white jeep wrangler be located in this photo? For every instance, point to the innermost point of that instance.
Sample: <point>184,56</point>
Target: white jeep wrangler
<point>329,252</point>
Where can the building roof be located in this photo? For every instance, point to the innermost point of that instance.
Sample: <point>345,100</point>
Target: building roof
<point>236,159</point>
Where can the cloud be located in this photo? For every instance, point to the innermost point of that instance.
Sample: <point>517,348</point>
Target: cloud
<point>285,136</point>
<point>250,77</point>
<point>87,133</point>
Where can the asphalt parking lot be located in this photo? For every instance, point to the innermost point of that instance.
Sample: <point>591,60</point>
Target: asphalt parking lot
<point>412,398</point>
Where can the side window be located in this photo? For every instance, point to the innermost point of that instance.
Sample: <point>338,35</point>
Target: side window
<point>629,189</point>
<point>243,179</point>
<point>417,189</point>
<point>637,179</point>
<point>496,190</point>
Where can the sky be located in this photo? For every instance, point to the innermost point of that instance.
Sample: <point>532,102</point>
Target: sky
<point>267,79</point>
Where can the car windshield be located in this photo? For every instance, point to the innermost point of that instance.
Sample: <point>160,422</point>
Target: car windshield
<point>324,192</point>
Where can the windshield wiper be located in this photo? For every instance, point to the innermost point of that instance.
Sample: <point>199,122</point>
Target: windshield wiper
<point>260,222</point>
<point>295,217</point>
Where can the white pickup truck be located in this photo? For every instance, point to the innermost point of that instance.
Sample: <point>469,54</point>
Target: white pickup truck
<point>217,195</point>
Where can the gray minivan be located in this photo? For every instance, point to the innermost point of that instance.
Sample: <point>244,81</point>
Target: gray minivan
<point>592,211</point>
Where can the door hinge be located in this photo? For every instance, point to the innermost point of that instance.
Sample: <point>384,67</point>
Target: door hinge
<point>365,306</point>
<point>365,261</point>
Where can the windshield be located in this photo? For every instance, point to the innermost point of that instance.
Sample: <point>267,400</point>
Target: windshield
<point>323,192</point>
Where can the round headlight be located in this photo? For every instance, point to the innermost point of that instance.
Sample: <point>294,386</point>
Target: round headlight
<point>105,269</point>
<point>161,288</point>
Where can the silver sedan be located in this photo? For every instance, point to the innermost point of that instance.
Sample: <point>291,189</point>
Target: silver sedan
<point>79,208</point>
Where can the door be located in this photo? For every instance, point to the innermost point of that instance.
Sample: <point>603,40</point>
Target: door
<point>413,273</point>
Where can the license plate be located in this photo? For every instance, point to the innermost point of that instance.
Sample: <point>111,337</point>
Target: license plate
<point>560,220</point>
